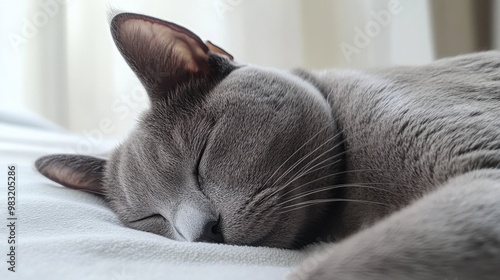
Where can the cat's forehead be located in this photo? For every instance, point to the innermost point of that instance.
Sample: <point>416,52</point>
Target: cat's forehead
<point>247,98</point>
<point>260,84</point>
<point>247,91</point>
<point>257,81</point>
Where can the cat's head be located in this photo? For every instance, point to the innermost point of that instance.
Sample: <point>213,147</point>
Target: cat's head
<point>226,153</point>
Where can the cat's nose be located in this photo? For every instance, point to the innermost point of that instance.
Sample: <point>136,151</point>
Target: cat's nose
<point>197,223</point>
<point>211,233</point>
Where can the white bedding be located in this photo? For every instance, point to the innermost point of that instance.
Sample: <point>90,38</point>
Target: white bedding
<point>67,234</point>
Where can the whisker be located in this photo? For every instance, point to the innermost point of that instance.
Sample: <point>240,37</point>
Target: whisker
<point>330,175</point>
<point>298,177</point>
<point>318,157</point>
<point>290,157</point>
<point>309,171</point>
<point>320,201</point>
<point>332,187</point>
<point>330,158</point>
<point>319,168</point>
<point>303,158</point>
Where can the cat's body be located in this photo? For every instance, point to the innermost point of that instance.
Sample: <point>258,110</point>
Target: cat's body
<point>431,136</point>
<point>401,166</point>
<point>415,127</point>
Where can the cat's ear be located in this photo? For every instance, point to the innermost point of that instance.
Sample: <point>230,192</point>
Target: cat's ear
<point>163,55</point>
<point>218,50</point>
<point>79,172</point>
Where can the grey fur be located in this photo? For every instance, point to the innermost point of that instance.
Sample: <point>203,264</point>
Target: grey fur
<point>432,136</point>
<point>410,154</point>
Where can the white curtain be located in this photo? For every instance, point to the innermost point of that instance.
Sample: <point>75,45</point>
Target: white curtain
<point>62,63</point>
<point>496,24</point>
<point>10,56</point>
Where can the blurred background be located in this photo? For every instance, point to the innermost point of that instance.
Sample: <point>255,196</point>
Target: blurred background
<point>57,58</point>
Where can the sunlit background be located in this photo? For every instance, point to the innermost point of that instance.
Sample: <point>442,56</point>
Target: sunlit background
<point>57,58</point>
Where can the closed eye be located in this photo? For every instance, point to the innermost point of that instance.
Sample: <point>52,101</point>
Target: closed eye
<point>146,218</point>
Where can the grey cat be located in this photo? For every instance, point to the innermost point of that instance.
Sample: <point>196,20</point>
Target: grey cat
<point>400,167</point>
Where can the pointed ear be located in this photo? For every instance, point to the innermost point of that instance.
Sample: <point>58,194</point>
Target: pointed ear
<point>163,55</point>
<point>218,50</point>
<point>78,172</point>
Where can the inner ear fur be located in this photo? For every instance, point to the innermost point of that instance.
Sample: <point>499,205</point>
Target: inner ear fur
<point>78,172</point>
<point>161,53</point>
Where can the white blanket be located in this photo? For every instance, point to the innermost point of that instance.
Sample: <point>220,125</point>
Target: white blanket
<point>67,234</point>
